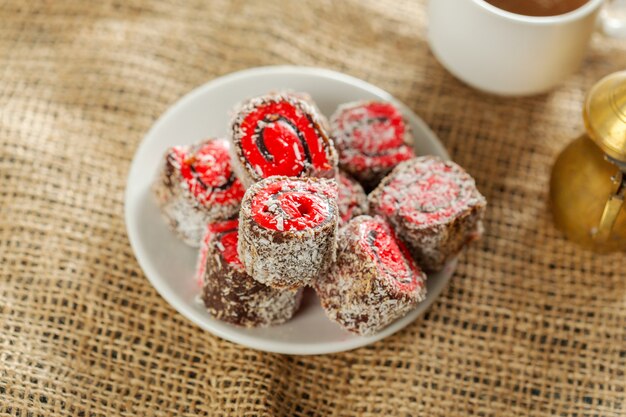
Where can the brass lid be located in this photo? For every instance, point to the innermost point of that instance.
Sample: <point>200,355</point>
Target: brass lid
<point>605,115</point>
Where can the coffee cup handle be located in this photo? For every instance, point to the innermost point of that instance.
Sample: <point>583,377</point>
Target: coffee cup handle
<point>612,208</point>
<point>612,19</point>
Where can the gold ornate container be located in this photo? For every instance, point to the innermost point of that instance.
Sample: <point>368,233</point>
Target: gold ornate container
<point>605,115</point>
<point>588,183</point>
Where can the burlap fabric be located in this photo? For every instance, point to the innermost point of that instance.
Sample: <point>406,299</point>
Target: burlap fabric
<point>530,325</point>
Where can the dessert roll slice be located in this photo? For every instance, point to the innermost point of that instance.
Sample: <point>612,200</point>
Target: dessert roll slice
<point>374,281</point>
<point>196,185</point>
<point>352,200</point>
<point>434,207</point>
<point>280,134</point>
<point>288,230</point>
<point>229,293</point>
<point>371,138</point>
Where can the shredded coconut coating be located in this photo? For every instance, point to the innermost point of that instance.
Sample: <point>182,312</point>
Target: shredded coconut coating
<point>356,295</point>
<point>288,258</point>
<point>352,200</point>
<point>231,295</point>
<point>249,173</point>
<point>368,168</point>
<point>433,205</point>
<point>186,214</point>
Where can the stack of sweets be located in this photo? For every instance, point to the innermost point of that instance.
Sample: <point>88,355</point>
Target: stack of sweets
<point>261,245</point>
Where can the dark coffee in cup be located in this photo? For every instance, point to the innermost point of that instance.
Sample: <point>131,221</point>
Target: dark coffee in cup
<point>538,7</point>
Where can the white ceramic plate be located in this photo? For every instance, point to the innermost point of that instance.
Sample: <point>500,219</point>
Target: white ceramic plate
<point>169,264</point>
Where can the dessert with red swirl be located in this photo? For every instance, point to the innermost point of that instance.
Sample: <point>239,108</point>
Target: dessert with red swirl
<point>374,281</point>
<point>230,294</point>
<point>371,138</point>
<point>196,185</point>
<point>434,207</point>
<point>280,134</point>
<point>288,230</point>
<point>352,200</point>
<point>308,99</point>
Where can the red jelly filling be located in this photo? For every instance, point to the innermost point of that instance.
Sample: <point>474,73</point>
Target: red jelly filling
<point>392,257</point>
<point>376,132</point>
<point>281,139</point>
<point>226,233</point>
<point>288,205</point>
<point>208,174</point>
<point>228,248</point>
<point>429,196</point>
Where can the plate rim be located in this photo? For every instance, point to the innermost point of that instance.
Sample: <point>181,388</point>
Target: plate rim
<point>250,341</point>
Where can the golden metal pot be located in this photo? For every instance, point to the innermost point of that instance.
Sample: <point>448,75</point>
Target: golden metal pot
<point>588,182</point>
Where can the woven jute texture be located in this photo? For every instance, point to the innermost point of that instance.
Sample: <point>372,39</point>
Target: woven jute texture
<point>530,324</point>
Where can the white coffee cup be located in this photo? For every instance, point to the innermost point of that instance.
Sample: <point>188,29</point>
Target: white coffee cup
<point>506,53</point>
